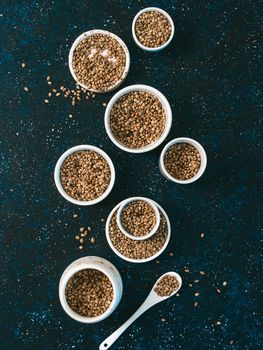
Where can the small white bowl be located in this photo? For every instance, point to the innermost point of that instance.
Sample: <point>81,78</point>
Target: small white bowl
<point>97,263</point>
<point>165,105</point>
<point>199,148</point>
<point>138,260</point>
<point>135,199</point>
<point>158,48</point>
<point>59,184</point>
<point>90,33</point>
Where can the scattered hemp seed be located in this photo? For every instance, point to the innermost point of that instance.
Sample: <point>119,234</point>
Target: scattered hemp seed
<point>182,161</point>
<point>231,342</point>
<point>23,65</point>
<point>224,284</point>
<point>171,254</point>
<point>81,229</point>
<point>138,250</point>
<point>202,273</point>
<point>104,104</point>
<point>92,240</point>
<point>218,323</point>
<point>202,235</point>
<point>75,215</point>
<point>153,29</point>
<point>85,175</point>
<point>196,281</point>
<point>162,319</point>
<point>77,237</point>
<point>89,292</point>
<point>137,119</point>
<point>26,88</point>
<point>218,290</point>
<point>99,62</point>
<point>190,285</point>
<point>81,247</point>
<point>81,240</point>
<point>89,228</point>
<point>46,101</point>
<point>167,285</point>
<point>186,270</point>
<point>138,218</point>
<point>177,294</point>
<point>195,303</point>
<point>48,78</point>
<point>157,261</point>
<point>197,294</point>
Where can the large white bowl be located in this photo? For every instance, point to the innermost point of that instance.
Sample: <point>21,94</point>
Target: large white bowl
<point>97,263</point>
<point>90,33</point>
<point>138,260</point>
<point>166,107</point>
<point>199,148</point>
<point>158,48</point>
<point>58,181</point>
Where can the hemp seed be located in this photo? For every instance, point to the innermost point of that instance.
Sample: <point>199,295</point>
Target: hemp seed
<point>85,175</point>
<point>138,218</point>
<point>137,119</point>
<point>182,161</point>
<point>153,29</point>
<point>99,62</point>
<point>89,292</point>
<point>135,249</point>
<point>167,285</point>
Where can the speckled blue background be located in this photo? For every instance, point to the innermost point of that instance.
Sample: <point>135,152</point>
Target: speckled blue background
<point>210,74</point>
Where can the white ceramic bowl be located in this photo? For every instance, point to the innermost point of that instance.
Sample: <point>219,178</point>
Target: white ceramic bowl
<point>57,174</point>
<point>158,48</point>
<point>199,148</point>
<point>91,262</point>
<point>135,199</point>
<point>138,260</point>
<point>166,107</point>
<point>90,33</point>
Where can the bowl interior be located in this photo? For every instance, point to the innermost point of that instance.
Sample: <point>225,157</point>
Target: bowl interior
<point>60,163</point>
<point>199,148</point>
<point>165,105</point>
<point>157,48</point>
<point>138,260</point>
<point>90,33</point>
<point>74,314</point>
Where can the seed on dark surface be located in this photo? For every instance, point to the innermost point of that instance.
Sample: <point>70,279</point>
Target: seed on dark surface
<point>153,29</point>
<point>167,285</point>
<point>26,88</point>
<point>137,119</point>
<point>89,292</point>
<point>182,161</point>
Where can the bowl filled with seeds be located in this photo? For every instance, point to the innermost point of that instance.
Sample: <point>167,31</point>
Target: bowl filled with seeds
<point>183,160</point>
<point>152,29</point>
<point>138,218</point>
<point>138,251</point>
<point>90,289</point>
<point>99,61</point>
<point>84,175</point>
<point>138,118</point>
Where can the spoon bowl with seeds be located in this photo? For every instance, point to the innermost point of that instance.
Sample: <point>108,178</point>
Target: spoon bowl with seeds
<point>165,287</point>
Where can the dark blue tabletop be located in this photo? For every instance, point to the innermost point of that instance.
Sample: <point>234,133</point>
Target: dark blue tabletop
<point>210,74</point>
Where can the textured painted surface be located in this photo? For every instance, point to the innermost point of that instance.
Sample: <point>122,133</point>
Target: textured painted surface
<point>210,74</point>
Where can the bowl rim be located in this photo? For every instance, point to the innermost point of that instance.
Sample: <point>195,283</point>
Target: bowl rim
<point>165,104</point>
<point>130,200</point>
<point>158,48</point>
<point>59,184</point>
<point>138,261</point>
<point>70,271</point>
<point>199,148</point>
<point>90,33</point>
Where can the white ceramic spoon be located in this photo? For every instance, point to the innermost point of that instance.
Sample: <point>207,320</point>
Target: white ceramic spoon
<point>152,299</point>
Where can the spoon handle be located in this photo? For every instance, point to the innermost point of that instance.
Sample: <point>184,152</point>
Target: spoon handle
<point>115,335</point>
